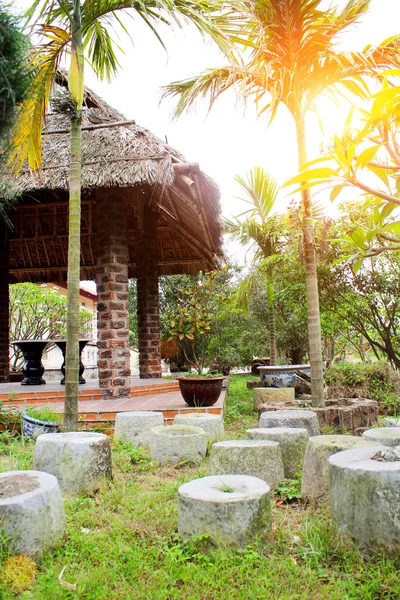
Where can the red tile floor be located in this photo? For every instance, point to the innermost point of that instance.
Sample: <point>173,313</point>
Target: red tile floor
<point>145,394</point>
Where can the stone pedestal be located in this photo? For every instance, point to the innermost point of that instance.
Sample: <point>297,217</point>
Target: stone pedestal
<point>315,475</point>
<point>135,427</point>
<point>292,442</point>
<point>148,310</point>
<point>178,442</point>
<point>112,288</point>
<point>272,395</point>
<point>386,436</point>
<point>305,419</point>
<point>79,460</point>
<point>364,499</point>
<point>232,509</point>
<point>31,512</point>
<point>257,458</point>
<point>213,425</point>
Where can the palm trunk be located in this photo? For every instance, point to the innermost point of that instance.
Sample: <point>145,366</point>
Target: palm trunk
<point>314,322</point>
<point>74,232</point>
<point>271,325</point>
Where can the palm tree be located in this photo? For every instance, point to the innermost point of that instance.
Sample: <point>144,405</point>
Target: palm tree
<point>290,58</point>
<point>259,228</point>
<point>84,29</point>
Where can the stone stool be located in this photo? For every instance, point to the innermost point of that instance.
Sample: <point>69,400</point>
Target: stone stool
<point>303,419</point>
<point>391,422</point>
<point>364,497</point>
<point>135,427</point>
<point>232,509</point>
<point>315,476</point>
<point>213,425</point>
<point>264,395</point>
<point>292,442</point>
<point>258,458</point>
<point>385,436</point>
<point>31,512</point>
<point>79,460</point>
<point>177,442</point>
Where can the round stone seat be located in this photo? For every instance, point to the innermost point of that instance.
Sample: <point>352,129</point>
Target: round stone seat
<point>232,509</point>
<point>303,419</point>
<point>386,436</point>
<point>315,474</point>
<point>364,497</point>
<point>174,443</point>
<point>292,441</point>
<point>213,425</point>
<point>31,512</point>
<point>391,422</point>
<point>79,460</point>
<point>135,427</point>
<point>257,458</point>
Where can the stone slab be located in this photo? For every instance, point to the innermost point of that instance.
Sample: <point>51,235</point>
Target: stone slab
<point>231,509</point>
<point>387,436</point>
<point>315,473</point>
<point>272,395</point>
<point>304,419</point>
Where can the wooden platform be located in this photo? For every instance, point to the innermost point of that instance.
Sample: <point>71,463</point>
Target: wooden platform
<point>94,412</point>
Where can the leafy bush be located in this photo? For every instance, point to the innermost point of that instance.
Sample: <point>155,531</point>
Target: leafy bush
<point>377,381</point>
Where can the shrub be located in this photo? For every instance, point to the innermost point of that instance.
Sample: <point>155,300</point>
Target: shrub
<point>378,381</point>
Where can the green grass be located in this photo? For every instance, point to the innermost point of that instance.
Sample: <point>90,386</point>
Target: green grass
<point>122,541</point>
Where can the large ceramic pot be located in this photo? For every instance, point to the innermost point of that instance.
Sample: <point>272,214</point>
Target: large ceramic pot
<point>200,391</point>
<point>32,427</point>
<point>281,376</point>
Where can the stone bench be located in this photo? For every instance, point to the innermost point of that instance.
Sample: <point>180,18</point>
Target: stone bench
<point>315,474</point>
<point>303,419</point>
<point>135,427</point>
<point>232,509</point>
<point>387,436</point>
<point>79,460</point>
<point>292,441</point>
<point>178,442</point>
<point>257,458</point>
<point>364,498</point>
<point>213,425</point>
<point>31,512</point>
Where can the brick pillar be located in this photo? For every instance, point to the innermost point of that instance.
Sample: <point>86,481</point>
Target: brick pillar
<point>4,303</point>
<point>112,288</point>
<point>148,308</point>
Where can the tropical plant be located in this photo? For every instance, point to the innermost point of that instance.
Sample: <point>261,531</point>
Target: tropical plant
<point>191,323</point>
<point>14,83</point>
<point>84,30</point>
<point>260,229</point>
<point>38,312</point>
<point>291,58</point>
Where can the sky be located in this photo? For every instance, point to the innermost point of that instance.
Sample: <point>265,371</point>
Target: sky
<point>228,140</point>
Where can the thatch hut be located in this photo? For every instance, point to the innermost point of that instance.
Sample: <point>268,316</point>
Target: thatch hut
<point>146,211</point>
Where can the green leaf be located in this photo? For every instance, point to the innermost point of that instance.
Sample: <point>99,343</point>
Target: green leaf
<point>335,192</point>
<point>367,155</point>
<point>313,174</point>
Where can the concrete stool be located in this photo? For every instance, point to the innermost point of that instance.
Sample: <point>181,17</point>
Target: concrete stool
<point>232,509</point>
<point>292,442</point>
<point>213,425</point>
<point>303,419</point>
<point>264,395</point>
<point>258,458</point>
<point>177,442</point>
<point>391,422</point>
<point>79,460</point>
<point>31,512</point>
<point>135,427</point>
<point>364,498</point>
<point>385,436</point>
<point>315,477</point>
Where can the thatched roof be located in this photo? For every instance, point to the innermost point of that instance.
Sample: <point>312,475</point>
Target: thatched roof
<point>127,157</point>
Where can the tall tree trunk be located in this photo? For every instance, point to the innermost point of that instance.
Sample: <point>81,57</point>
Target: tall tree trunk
<point>271,325</point>
<point>75,86</point>
<point>314,322</point>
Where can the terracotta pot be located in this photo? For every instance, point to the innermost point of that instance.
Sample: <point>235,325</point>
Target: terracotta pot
<point>200,391</point>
